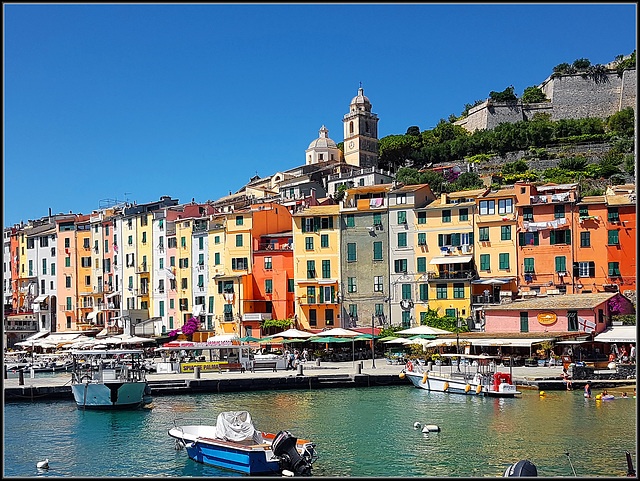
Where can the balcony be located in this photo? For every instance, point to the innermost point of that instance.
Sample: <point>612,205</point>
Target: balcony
<point>490,299</point>
<point>142,268</point>
<point>464,274</point>
<point>274,246</point>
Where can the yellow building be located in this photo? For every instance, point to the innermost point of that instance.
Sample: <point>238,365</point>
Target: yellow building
<point>495,249</point>
<point>183,269</point>
<point>444,252</point>
<point>316,266</point>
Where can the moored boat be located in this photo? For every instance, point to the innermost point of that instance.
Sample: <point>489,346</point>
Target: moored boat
<point>235,444</point>
<point>475,376</point>
<point>109,379</point>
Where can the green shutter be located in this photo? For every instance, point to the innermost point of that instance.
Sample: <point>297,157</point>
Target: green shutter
<point>333,294</point>
<point>568,236</point>
<point>440,240</point>
<point>330,222</point>
<point>422,264</point>
<point>536,238</point>
<point>552,237</point>
<point>521,238</point>
<point>304,224</point>
<point>455,239</point>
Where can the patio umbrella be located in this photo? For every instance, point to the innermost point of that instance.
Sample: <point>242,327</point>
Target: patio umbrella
<point>338,331</point>
<point>248,339</point>
<point>387,338</point>
<point>397,340</point>
<point>293,333</point>
<point>270,340</point>
<point>423,330</point>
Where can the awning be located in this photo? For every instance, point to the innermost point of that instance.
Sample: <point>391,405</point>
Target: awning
<point>493,281</point>
<point>93,314</point>
<point>506,342</point>
<point>40,298</point>
<point>37,335</point>
<point>113,294</point>
<point>617,334</point>
<point>572,342</point>
<point>451,260</point>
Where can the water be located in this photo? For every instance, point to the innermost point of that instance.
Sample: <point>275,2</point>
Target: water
<point>364,432</point>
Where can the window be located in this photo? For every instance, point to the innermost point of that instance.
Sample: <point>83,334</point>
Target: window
<point>53,269</point>
<point>402,217</point>
<point>585,239</point>
<point>84,262</point>
<point>161,305</point>
<point>529,264</point>
<point>422,264</point>
<point>584,269</point>
<point>85,243</point>
<point>400,265</point>
<point>583,211</point>
<point>424,292</point>
<point>572,320</point>
<point>458,290</point>
<point>351,252</point>
<point>406,319</point>
<point>377,251</point>
<point>313,317</point>
<point>328,317</point>
<point>185,284</point>
<point>485,262</point>
<point>483,234</point>
<point>67,262</point>
<point>441,291</point>
<point>612,214</point>
<point>183,263</point>
<point>422,217</point>
<point>311,295</point>
<point>379,309</point>
<point>524,321</point>
<point>106,245</point>
<point>450,313</point>
<point>172,304</point>
<point>406,291</point>
<point>228,312</point>
<point>239,263</point>
<point>560,236</point>
<point>67,280</point>
<point>402,239</point>
<point>308,243</point>
<point>200,243</point>
<point>183,242</point>
<point>326,223</point>
<point>529,238</point>
<point>172,242</point>
<point>67,243</point>
<point>504,261</point>
<point>267,262</point>
<point>68,304</point>
<point>505,206</point>
<point>351,284</point>
<point>614,237</point>
<point>210,304</point>
<point>487,207</point>
<point>353,311</point>
<point>216,239</point>
<point>239,240</point>
<point>239,220</point>
<point>527,213</point>
<point>505,232</point>
<point>377,284</point>
<point>422,239</point>
<point>200,282</point>
<point>311,269</point>
<point>463,214</point>
<point>558,211</point>
<point>130,282</point>
<point>216,258</point>
<point>268,286</point>
<point>44,266</point>
<point>614,269</point>
<point>144,238</point>
<point>161,286</point>
<point>561,263</point>
<point>446,215</point>
<point>401,199</point>
<point>324,240</point>
<point>143,220</point>
<point>290,285</point>
<point>326,269</point>
<point>350,220</point>
<point>200,259</point>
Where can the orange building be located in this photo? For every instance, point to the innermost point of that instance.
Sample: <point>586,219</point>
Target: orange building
<point>621,242</point>
<point>590,263</point>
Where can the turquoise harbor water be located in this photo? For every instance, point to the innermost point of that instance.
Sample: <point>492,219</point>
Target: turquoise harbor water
<point>358,432</point>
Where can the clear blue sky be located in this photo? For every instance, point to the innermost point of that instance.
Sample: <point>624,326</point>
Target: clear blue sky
<point>139,101</point>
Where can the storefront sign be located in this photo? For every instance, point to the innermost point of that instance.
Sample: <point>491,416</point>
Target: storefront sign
<point>547,318</point>
<point>204,366</point>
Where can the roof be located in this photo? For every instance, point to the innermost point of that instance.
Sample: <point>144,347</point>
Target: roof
<point>323,142</point>
<point>592,199</point>
<point>567,301</point>
<point>370,189</point>
<point>466,193</point>
<point>410,188</point>
<point>500,193</point>
<point>319,210</point>
<point>618,334</point>
<point>619,199</point>
<point>551,186</point>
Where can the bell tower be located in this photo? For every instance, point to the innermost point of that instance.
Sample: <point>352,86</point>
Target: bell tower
<point>361,133</point>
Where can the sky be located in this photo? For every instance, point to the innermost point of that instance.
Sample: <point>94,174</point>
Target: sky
<point>126,102</point>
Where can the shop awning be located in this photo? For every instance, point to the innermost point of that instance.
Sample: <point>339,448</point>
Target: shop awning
<point>37,335</point>
<point>496,281</point>
<point>617,334</point>
<point>93,314</point>
<point>40,298</point>
<point>451,260</point>
<point>506,342</point>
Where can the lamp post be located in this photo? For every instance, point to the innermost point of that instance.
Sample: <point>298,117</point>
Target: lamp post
<point>458,323</point>
<point>373,351</point>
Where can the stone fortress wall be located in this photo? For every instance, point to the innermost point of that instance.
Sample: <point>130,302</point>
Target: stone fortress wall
<point>571,96</point>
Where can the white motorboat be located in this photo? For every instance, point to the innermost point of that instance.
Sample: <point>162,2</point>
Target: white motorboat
<point>109,379</point>
<point>472,375</point>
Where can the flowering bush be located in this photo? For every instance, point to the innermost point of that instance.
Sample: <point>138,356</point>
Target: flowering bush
<point>188,328</point>
<point>615,305</point>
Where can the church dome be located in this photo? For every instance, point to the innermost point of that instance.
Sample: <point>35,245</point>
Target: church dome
<point>360,99</point>
<point>323,142</point>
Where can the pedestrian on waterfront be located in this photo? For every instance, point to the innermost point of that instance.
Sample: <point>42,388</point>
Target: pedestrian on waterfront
<point>632,354</point>
<point>587,389</point>
<point>292,360</point>
<point>286,359</point>
<point>623,354</point>
<point>305,355</point>
<point>296,357</point>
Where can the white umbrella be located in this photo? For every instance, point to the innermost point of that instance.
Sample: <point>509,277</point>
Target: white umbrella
<point>294,333</point>
<point>400,340</point>
<point>337,332</point>
<point>423,330</point>
<point>134,340</point>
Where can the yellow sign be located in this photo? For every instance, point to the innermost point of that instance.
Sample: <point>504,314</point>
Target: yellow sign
<point>204,366</point>
<point>547,318</point>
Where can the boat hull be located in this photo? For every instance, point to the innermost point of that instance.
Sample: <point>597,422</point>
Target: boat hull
<point>115,395</point>
<point>434,382</point>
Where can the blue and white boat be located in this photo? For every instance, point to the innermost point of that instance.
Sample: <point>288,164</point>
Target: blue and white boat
<point>109,379</point>
<point>235,444</point>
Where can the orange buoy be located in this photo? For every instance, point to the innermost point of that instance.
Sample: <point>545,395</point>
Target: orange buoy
<point>467,387</point>
<point>424,378</point>
<point>479,389</point>
<point>446,386</point>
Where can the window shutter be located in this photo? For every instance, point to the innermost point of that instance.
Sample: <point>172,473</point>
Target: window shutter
<point>219,287</point>
<point>333,294</point>
<point>303,221</point>
<point>321,295</point>
<point>576,270</point>
<point>592,269</point>
<point>440,240</point>
<point>552,237</point>
<point>471,238</point>
<point>536,238</point>
<point>330,222</point>
<point>521,238</point>
<point>455,239</point>
<point>316,224</point>
<point>233,263</point>
<point>567,236</point>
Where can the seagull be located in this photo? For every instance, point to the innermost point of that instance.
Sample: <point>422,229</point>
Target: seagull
<point>43,464</point>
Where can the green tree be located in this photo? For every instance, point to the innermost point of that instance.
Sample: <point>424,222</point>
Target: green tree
<point>340,192</point>
<point>394,150</point>
<point>533,95</point>
<point>516,167</point>
<point>578,162</point>
<point>622,123</point>
<point>581,64</point>
<point>434,179</point>
<point>505,96</point>
<point>408,176</point>
<point>467,181</point>
<point>413,130</point>
<point>561,68</point>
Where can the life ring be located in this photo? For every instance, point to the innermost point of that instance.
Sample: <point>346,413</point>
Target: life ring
<point>409,366</point>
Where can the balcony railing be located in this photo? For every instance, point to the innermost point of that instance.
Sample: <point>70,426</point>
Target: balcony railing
<point>467,274</point>
<point>266,246</point>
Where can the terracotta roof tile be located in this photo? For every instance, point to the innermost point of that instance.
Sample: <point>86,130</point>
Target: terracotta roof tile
<point>567,301</point>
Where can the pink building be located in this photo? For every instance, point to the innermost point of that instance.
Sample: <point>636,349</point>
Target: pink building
<point>579,313</point>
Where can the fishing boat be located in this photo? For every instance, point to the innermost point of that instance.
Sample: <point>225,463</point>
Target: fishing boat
<point>50,363</point>
<point>472,375</point>
<point>109,379</point>
<point>235,444</point>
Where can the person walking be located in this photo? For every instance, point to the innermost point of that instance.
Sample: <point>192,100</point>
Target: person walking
<point>287,359</point>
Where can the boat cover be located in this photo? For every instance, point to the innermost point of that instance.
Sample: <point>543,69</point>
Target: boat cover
<point>237,426</point>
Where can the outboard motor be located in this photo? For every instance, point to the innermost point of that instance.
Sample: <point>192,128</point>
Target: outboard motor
<point>524,468</point>
<point>284,447</point>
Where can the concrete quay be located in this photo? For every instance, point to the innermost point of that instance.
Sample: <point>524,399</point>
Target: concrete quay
<point>327,375</point>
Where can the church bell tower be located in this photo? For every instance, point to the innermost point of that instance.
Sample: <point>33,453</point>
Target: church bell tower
<point>361,133</point>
